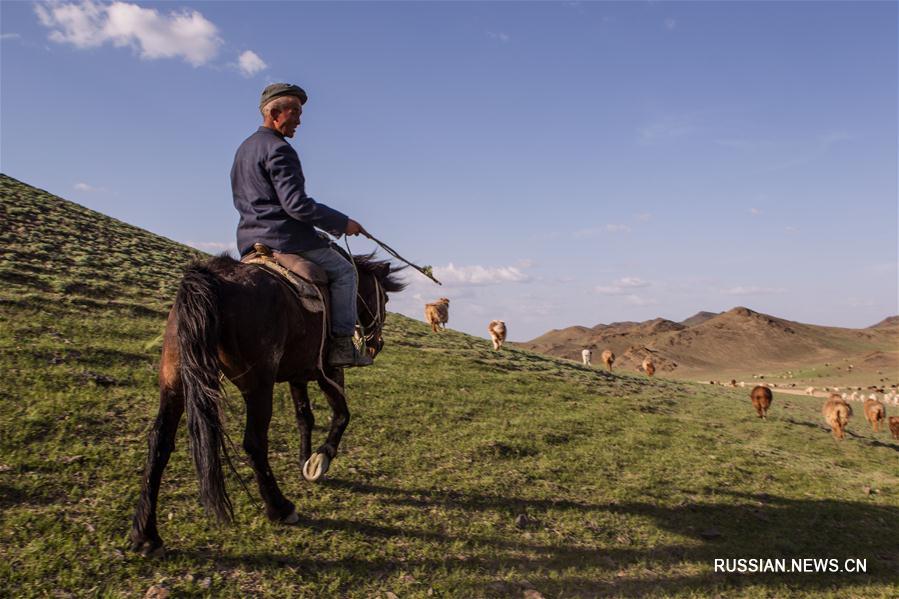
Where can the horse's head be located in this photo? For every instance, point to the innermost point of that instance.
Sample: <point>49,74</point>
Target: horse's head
<point>376,280</point>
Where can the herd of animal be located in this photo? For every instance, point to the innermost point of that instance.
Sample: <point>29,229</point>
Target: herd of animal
<point>437,315</point>
<point>836,409</point>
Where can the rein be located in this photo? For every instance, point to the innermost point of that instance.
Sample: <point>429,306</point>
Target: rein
<point>381,298</point>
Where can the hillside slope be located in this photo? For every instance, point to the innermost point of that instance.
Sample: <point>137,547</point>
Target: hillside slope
<point>464,472</point>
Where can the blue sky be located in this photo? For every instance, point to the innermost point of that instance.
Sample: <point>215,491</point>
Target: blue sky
<point>558,163</point>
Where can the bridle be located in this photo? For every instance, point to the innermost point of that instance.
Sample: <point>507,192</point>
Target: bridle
<point>377,316</point>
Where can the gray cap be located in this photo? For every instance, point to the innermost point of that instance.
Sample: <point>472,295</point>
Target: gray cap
<point>276,90</point>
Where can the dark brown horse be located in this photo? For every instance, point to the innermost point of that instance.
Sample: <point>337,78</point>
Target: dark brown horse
<point>236,319</point>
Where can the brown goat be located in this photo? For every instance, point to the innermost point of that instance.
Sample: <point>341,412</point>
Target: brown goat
<point>874,413</point>
<point>648,367</point>
<point>497,330</point>
<point>437,314</point>
<point>761,400</point>
<point>894,426</point>
<point>608,358</point>
<point>836,413</point>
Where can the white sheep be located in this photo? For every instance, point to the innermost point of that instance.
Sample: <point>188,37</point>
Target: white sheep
<point>586,356</point>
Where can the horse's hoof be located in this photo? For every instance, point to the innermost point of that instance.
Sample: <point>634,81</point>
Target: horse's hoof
<point>148,548</point>
<point>293,518</point>
<point>316,466</point>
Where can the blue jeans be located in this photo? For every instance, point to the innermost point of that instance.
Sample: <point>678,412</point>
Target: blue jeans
<point>342,283</point>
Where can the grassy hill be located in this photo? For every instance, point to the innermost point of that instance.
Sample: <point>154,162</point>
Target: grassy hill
<point>739,343</point>
<point>464,472</point>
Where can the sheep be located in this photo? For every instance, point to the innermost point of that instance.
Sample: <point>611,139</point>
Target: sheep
<point>809,390</point>
<point>608,358</point>
<point>836,413</point>
<point>894,426</point>
<point>586,356</point>
<point>497,330</point>
<point>437,314</point>
<point>874,414</point>
<point>733,383</point>
<point>742,384</point>
<point>761,400</point>
<point>648,367</point>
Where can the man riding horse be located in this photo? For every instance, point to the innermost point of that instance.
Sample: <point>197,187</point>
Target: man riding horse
<point>238,320</point>
<point>270,194</point>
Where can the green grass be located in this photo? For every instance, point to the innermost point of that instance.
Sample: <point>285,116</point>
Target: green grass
<point>619,476</point>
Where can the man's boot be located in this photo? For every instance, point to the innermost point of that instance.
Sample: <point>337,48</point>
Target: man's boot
<point>344,354</point>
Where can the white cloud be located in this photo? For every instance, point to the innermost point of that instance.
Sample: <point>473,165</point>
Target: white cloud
<point>250,63</point>
<point>186,34</point>
<point>622,286</point>
<point>594,231</point>
<point>9,36</point>
<point>81,186</point>
<point>670,24</point>
<point>644,216</point>
<point>671,127</point>
<point>856,302</point>
<point>214,247</point>
<point>479,275</point>
<point>755,211</point>
<point>883,267</point>
<point>503,37</point>
<point>752,290</point>
<point>636,300</point>
<point>744,144</point>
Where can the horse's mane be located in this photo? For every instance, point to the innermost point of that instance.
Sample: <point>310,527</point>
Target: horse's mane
<point>382,269</point>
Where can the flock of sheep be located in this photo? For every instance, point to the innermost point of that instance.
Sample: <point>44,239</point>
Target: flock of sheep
<point>836,409</point>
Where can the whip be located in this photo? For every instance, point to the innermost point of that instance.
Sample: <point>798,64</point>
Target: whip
<point>425,270</point>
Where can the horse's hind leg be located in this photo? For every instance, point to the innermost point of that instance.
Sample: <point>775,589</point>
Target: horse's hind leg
<point>144,535</point>
<point>255,442</point>
<point>305,419</point>
<point>333,388</point>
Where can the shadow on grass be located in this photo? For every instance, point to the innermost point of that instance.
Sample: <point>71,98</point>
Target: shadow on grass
<point>850,434</point>
<point>736,525</point>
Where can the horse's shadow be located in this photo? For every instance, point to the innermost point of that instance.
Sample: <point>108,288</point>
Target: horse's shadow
<point>725,525</point>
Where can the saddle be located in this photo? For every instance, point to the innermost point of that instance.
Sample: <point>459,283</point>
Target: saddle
<point>307,280</point>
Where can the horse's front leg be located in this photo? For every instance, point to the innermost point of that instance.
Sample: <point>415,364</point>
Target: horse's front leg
<point>144,534</point>
<point>333,388</point>
<point>255,442</point>
<point>305,419</point>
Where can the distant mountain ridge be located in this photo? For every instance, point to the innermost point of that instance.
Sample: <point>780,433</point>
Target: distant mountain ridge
<point>888,322</point>
<point>709,341</point>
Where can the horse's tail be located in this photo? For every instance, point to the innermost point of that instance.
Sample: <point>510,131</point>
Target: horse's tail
<point>197,311</point>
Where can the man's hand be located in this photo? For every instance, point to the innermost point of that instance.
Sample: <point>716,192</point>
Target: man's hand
<point>354,228</point>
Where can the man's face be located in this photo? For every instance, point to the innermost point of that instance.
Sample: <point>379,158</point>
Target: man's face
<point>288,119</point>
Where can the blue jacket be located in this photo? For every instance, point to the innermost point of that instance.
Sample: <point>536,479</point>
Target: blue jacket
<point>270,194</point>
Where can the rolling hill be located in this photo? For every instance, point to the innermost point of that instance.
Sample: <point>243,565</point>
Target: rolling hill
<point>737,342</point>
<point>464,472</point>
